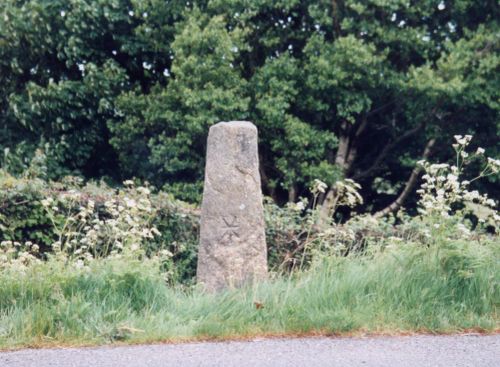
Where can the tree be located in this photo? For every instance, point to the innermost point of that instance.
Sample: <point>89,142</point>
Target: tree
<point>204,88</point>
<point>338,89</point>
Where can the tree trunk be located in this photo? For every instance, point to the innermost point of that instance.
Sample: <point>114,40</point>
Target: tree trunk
<point>410,184</point>
<point>341,161</point>
<point>292,193</point>
<point>336,18</point>
<point>342,151</point>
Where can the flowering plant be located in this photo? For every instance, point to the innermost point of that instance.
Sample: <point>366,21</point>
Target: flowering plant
<point>17,255</point>
<point>444,194</point>
<point>85,230</point>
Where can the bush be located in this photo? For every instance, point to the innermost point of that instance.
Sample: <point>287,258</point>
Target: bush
<point>81,223</point>
<point>22,216</point>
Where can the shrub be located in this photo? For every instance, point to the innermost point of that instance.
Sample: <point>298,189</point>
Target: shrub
<point>79,223</point>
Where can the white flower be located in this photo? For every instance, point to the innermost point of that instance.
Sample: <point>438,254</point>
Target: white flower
<point>480,151</point>
<point>474,194</point>
<point>494,162</point>
<point>490,202</point>
<point>319,186</point>
<point>146,233</point>
<point>298,206</point>
<point>131,203</point>
<point>109,204</point>
<point>144,190</point>
<point>166,253</point>
<point>128,183</point>
<point>47,202</point>
<point>463,140</point>
<point>5,243</point>
<point>439,166</point>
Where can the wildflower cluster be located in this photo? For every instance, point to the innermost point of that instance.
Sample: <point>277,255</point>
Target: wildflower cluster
<point>17,255</point>
<point>335,240</point>
<point>318,187</point>
<point>76,227</point>
<point>118,227</point>
<point>445,201</point>
<point>293,234</point>
<point>442,188</point>
<point>86,230</point>
<point>347,193</point>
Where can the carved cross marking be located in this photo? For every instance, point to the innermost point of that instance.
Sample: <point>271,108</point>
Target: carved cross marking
<point>231,227</point>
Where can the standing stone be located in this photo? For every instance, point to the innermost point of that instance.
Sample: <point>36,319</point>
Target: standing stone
<point>232,248</point>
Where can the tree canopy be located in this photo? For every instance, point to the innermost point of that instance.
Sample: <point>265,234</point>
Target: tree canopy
<point>338,88</point>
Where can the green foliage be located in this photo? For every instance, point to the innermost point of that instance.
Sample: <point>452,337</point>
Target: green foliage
<point>344,78</point>
<point>22,216</point>
<point>79,224</point>
<point>70,117</point>
<point>122,88</point>
<point>295,148</point>
<point>113,253</point>
<point>205,88</point>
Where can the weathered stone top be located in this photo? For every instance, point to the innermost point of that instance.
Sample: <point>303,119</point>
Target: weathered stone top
<point>236,124</point>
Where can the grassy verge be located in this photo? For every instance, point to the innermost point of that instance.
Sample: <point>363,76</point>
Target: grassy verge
<point>443,289</point>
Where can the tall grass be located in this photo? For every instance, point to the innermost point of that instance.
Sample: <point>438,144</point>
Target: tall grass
<point>446,288</point>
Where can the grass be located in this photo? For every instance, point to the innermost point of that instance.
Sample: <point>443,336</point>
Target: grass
<point>443,289</point>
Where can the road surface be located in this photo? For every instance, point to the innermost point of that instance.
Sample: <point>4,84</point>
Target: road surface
<point>407,351</point>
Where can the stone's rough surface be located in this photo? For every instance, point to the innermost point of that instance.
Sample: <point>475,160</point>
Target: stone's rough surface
<point>232,240</point>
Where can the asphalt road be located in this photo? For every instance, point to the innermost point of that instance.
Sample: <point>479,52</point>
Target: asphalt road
<point>408,351</point>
